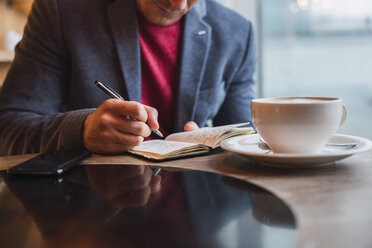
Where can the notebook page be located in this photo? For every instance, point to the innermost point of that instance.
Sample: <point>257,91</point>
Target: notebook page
<point>205,135</point>
<point>160,146</point>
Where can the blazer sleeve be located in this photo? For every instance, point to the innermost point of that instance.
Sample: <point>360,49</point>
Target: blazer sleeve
<point>36,88</point>
<point>236,107</point>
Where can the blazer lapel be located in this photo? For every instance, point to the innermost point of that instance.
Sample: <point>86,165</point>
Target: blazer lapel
<point>123,21</point>
<point>196,43</point>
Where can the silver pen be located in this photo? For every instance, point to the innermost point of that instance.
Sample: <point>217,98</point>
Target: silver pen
<point>115,95</point>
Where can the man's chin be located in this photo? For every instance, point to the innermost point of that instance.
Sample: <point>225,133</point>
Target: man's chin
<point>165,21</point>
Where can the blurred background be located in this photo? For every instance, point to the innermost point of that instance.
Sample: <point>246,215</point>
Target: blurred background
<point>315,48</point>
<point>305,48</point>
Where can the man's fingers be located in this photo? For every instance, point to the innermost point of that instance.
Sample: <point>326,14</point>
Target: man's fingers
<point>136,112</point>
<point>134,127</point>
<point>190,126</point>
<point>125,139</point>
<point>152,115</point>
<point>131,109</point>
<point>113,141</point>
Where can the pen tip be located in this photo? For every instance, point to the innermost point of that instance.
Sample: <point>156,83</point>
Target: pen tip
<point>157,132</point>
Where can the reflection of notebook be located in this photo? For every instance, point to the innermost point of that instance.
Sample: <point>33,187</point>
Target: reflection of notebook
<point>183,144</point>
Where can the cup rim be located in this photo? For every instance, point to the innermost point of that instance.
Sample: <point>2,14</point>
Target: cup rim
<point>269,100</point>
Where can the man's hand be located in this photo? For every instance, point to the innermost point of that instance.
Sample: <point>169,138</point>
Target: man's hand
<point>190,126</point>
<point>117,126</point>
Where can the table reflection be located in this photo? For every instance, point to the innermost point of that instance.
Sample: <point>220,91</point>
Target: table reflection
<point>123,186</point>
<point>128,206</point>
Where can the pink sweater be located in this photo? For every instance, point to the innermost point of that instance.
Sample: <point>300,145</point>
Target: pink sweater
<point>160,68</point>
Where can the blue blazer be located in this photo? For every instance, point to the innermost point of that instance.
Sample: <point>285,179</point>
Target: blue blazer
<point>67,45</point>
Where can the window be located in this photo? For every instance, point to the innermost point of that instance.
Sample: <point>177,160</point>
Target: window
<point>316,48</point>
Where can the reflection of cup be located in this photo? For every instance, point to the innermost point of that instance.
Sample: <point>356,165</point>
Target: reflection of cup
<point>270,210</point>
<point>297,124</point>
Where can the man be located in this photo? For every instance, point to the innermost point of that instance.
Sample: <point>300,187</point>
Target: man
<point>187,59</point>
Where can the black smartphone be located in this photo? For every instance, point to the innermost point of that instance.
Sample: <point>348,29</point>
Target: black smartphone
<point>50,163</point>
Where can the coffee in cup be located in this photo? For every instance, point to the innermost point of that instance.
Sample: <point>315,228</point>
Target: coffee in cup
<point>300,125</point>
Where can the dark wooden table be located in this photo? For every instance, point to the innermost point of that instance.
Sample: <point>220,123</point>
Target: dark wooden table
<point>103,206</point>
<point>317,207</point>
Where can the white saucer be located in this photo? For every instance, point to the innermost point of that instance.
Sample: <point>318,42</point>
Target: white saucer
<point>251,147</point>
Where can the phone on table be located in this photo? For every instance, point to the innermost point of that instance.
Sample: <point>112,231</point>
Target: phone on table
<point>50,163</point>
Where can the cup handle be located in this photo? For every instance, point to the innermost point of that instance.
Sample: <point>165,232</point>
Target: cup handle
<point>343,116</point>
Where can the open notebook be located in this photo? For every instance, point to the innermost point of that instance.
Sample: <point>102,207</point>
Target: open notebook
<point>183,144</point>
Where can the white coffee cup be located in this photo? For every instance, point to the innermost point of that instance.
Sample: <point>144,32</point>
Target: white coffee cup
<point>300,125</point>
